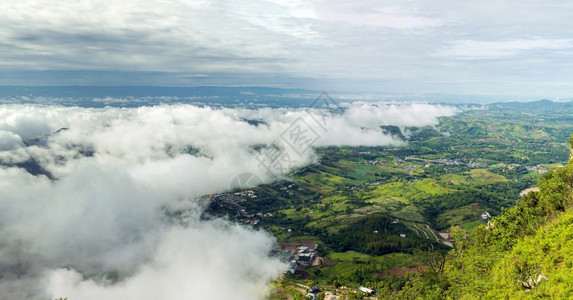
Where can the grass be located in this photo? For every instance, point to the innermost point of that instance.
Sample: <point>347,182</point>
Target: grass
<point>325,182</point>
<point>483,176</point>
<point>473,177</point>
<point>341,263</point>
<point>409,213</point>
<point>471,226</point>
<point>410,190</point>
<point>463,215</point>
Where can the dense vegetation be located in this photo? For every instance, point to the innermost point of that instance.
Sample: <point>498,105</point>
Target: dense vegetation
<point>375,234</point>
<point>527,252</point>
<point>377,212</point>
<point>492,197</point>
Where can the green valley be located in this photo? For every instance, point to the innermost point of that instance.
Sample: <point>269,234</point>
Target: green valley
<point>440,216</point>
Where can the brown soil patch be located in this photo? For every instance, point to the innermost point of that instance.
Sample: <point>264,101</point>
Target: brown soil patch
<point>528,190</point>
<point>305,275</point>
<point>315,189</point>
<point>291,246</point>
<point>398,271</point>
<point>327,262</point>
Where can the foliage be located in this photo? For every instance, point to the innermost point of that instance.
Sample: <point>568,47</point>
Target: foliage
<point>524,253</point>
<point>376,235</point>
<point>446,176</point>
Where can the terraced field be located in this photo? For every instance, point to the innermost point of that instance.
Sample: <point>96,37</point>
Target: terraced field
<point>372,209</point>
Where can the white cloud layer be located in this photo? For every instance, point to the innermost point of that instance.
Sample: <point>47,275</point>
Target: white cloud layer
<point>201,262</point>
<point>115,171</point>
<point>470,49</point>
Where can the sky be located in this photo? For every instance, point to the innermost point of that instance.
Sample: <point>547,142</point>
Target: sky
<point>515,49</point>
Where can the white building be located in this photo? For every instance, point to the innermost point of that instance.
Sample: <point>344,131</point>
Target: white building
<point>485,216</point>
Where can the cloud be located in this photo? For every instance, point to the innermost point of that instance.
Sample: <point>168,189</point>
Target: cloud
<point>203,262</point>
<point>9,141</point>
<point>372,13</point>
<point>142,35</point>
<point>97,227</point>
<point>404,115</point>
<point>368,46</point>
<point>471,49</point>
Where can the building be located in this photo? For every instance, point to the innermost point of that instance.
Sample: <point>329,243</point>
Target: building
<point>366,290</point>
<point>485,216</point>
<point>287,256</point>
<point>306,258</point>
<point>311,296</point>
<point>292,266</point>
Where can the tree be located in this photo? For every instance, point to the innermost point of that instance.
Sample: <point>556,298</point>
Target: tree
<point>458,233</point>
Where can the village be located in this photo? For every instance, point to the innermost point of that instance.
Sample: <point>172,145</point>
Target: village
<point>427,162</point>
<point>233,201</point>
<point>299,256</point>
<point>293,209</point>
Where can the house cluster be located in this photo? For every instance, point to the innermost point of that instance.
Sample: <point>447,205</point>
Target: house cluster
<point>447,162</point>
<point>439,161</point>
<point>302,256</point>
<point>538,169</point>
<point>245,218</point>
<point>376,162</point>
<point>233,201</point>
<point>227,198</point>
<point>232,198</point>
<point>288,187</point>
<point>355,188</point>
<point>410,167</point>
<point>246,194</point>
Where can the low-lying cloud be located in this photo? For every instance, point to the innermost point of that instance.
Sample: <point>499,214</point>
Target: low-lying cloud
<point>92,224</point>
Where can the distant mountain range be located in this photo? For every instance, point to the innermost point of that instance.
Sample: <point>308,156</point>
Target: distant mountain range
<point>540,104</point>
<point>132,96</point>
<point>97,96</point>
<point>143,91</point>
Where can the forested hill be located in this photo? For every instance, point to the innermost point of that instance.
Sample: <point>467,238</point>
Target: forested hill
<point>540,105</point>
<point>526,252</point>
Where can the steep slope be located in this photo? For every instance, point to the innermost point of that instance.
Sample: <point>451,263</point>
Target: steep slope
<point>527,252</point>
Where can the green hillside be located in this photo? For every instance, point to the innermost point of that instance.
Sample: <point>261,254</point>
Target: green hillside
<point>525,253</point>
